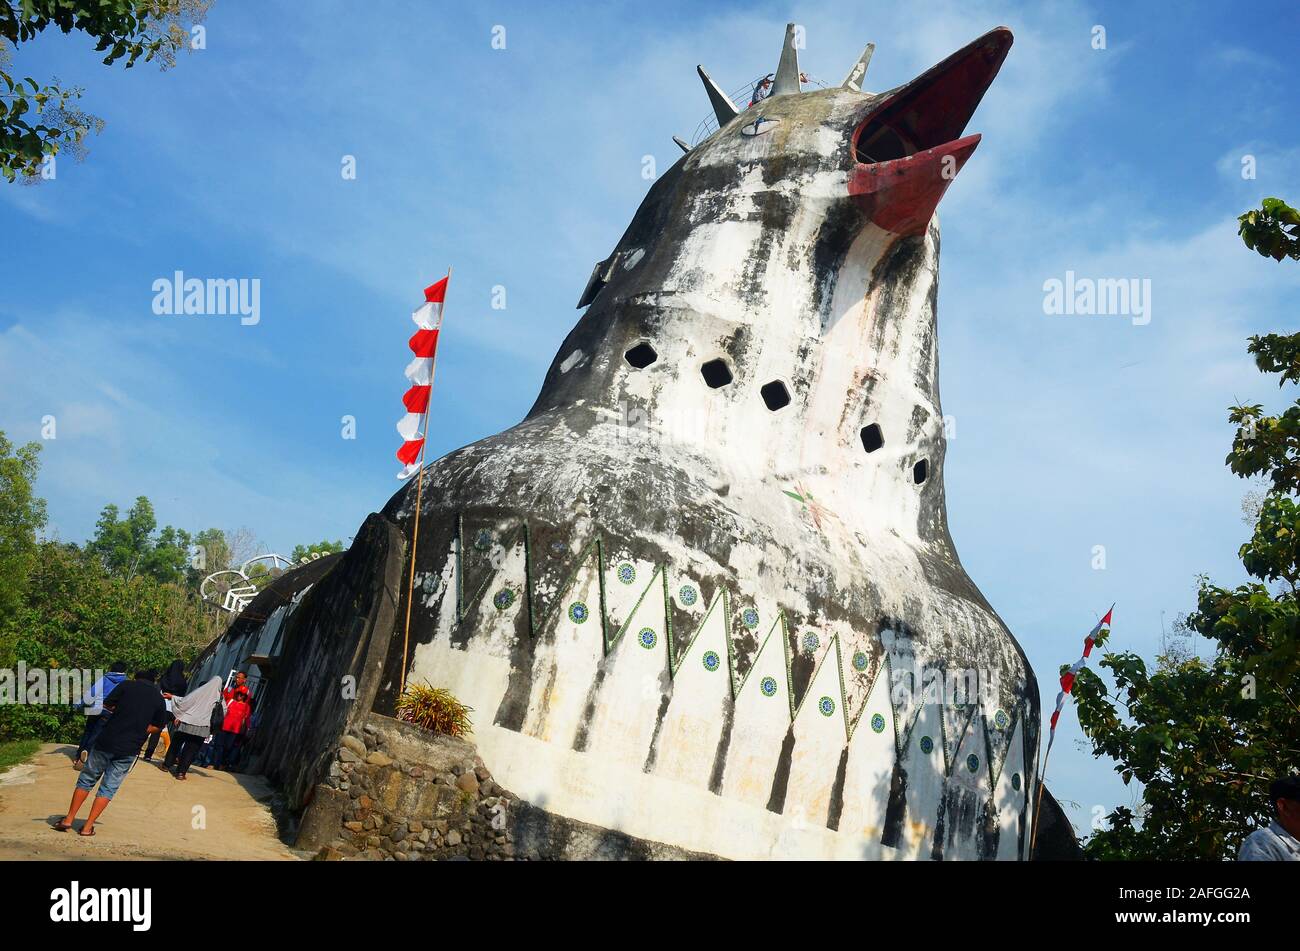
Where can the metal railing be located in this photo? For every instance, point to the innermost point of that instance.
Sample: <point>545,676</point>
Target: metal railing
<point>741,97</point>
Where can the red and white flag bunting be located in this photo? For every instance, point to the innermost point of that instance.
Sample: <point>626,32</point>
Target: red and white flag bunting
<point>1067,678</point>
<point>424,345</point>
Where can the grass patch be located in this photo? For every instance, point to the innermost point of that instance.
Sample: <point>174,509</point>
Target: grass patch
<point>17,751</point>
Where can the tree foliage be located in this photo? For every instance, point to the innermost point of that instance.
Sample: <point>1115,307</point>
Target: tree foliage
<point>1272,230</point>
<point>303,553</point>
<point>1205,737</point>
<point>123,597</point>
<point>215,549</point>
<point>76,615</point>
<point>39,119</point>
<point>131,593</point>
<point>22,516</point>
<point>133,545</point>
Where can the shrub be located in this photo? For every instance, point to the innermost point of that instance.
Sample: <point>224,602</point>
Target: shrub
<point>433,709</point>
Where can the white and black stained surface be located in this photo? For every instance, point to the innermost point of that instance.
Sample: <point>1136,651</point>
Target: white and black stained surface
<point>705,593</point>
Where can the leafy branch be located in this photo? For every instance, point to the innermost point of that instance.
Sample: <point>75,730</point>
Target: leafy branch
<point>128,30</point>
<point>1272,230</point>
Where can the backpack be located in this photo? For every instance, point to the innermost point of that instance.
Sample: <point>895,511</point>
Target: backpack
<point>218,716</point>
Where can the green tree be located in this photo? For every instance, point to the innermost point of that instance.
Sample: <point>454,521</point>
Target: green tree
<point>39,119</point>
<point>125,597</point>
<point>210,552</point>
<point>169,557</point>
<point>1206,737</point>
<point>216,555</point>
<point>133,545</point>
<point>76,615</point>
<point>22,516</point>
<point>304,552</point>
<point>122,543</point>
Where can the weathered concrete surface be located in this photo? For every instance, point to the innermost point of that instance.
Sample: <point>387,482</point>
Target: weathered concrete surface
<point>258,628</point>
<point>689,614</point>
<point>548,836</point>
<point>1057,841</point>
<point>327,673</point>
<point>322,818</point>
<point>153,816</point>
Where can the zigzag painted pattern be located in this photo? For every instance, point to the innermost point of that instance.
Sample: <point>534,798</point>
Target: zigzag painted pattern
<point>823,699</point>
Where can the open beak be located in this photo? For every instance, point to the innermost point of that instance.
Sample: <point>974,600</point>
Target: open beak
<point>908,149</point>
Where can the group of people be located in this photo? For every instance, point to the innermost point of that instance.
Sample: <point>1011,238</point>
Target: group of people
<point>208,724</point>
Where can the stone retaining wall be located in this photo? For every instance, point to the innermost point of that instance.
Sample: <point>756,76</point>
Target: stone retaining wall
<point>396,793</point>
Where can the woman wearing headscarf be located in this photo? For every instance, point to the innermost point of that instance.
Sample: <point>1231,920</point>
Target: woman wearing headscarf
<point>191,726</point>
<point>172,685</point>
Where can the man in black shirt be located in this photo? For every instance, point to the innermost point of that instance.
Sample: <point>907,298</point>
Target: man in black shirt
<point>138,710</point>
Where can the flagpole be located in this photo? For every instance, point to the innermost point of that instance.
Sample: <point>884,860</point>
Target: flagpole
<point>1060,703</point>
<point>415,531</point>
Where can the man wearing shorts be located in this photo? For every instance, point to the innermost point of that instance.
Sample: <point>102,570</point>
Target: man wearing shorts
<point>138,710</point>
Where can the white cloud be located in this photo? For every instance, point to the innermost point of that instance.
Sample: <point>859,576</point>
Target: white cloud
<point>1240,56</point>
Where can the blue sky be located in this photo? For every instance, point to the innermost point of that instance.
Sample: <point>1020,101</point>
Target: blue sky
<point>521,167</point>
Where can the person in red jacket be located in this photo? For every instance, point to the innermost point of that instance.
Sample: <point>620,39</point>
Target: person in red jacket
<point>241,683</point>
<point>235,724</point>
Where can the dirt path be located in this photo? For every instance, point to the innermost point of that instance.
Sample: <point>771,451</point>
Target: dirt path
<point>211,815</point>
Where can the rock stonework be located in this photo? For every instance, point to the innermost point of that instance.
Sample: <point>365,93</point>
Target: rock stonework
<point>397,793</point>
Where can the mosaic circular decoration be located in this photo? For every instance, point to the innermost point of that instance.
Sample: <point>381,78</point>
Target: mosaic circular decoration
<point>768,686</point>
<point>749,617</point>
<point>811,642</point>
<point>878,723</point>
<point>1015,781</point>
<point>646,638</point>
<point>483,540</point>
<point>860,662</point>
<point>712,661</point>
<point>626,572</point>
<point>927,745</point>
<point>973,763</point>
<point>826,705</point>
<point>1001,720</point>
<point>578,612</point>
<point>503,599</point>
<point>688,595</point>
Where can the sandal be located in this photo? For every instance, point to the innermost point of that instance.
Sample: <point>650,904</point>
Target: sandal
<point>60,827</point>
<point>86,835</point>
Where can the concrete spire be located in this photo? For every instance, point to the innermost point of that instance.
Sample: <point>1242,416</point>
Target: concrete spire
<point>787,71</point>
<point>854,79</point>
<point>723,107</point>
